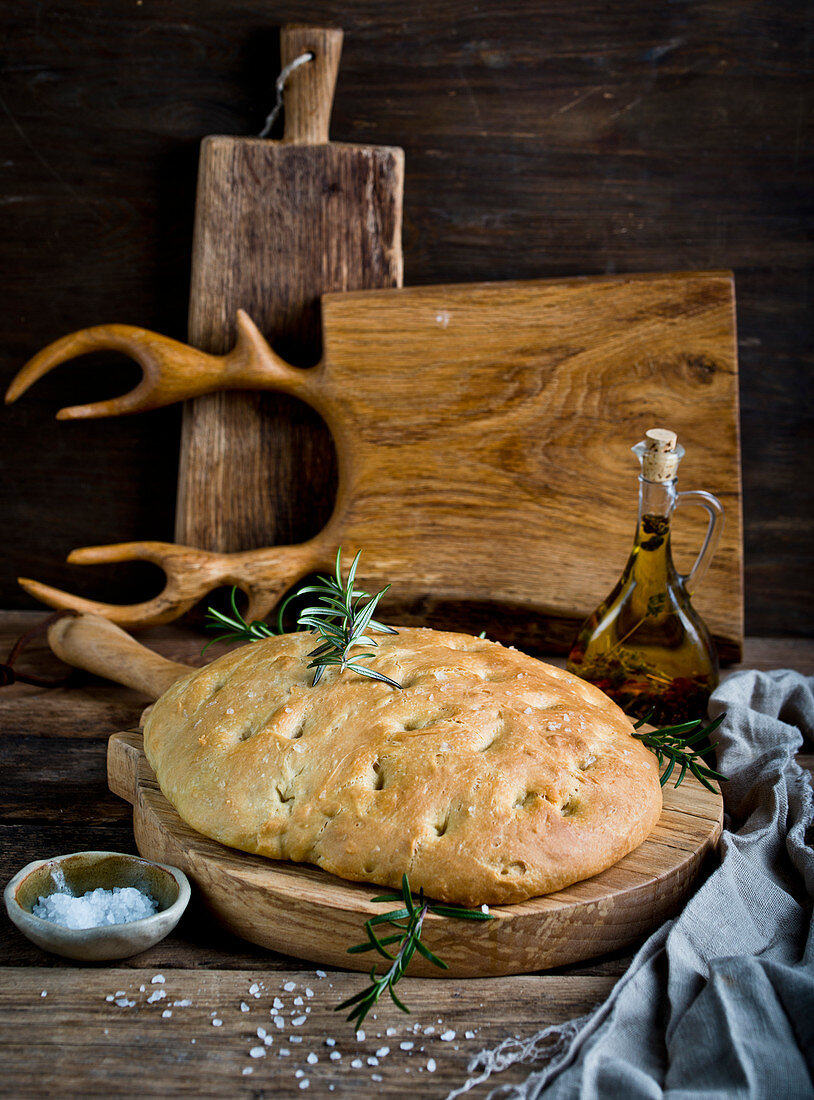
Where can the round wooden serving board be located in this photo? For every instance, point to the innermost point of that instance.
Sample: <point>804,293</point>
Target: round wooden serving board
<point>303,911</point>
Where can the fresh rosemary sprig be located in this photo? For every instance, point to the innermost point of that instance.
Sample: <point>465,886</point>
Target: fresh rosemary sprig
<point>340,619</point>
<point>683,745</point>
<point>238,630</point>
<point>408,922</point>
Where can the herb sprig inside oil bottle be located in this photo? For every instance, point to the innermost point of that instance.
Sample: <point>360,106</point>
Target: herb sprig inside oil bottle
<point>645,645</point>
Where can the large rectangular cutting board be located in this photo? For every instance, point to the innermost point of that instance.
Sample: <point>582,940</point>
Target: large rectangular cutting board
<point>484,433</point>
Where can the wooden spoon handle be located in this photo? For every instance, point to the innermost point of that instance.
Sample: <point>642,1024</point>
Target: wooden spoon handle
<point>98,646</point>
<point>309,90</point>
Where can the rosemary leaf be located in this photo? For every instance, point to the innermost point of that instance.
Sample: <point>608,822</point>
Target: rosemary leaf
<point>408,921</point>
<point>341,620</point>
<point>682,744</point>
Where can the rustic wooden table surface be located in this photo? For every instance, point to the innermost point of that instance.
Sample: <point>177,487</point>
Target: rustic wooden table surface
<point>183,1017</point>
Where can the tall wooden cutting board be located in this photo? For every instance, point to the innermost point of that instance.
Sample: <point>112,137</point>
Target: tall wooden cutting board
<point>277,223</point>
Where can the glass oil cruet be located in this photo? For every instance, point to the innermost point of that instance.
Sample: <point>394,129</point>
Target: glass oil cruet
<point>645,645</point>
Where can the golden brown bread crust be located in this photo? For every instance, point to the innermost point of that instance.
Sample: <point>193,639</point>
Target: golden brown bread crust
<point>491,777</point>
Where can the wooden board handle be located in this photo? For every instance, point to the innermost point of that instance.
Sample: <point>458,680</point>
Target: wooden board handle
<point>97,645</point>
<point>309,90</point>
<point>124,751</point>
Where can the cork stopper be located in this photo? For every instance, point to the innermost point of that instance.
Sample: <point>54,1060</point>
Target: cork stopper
<point>660,454</point>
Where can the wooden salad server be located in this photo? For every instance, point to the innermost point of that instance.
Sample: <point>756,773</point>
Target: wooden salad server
<point>477,431</point>
<point>277,224</point>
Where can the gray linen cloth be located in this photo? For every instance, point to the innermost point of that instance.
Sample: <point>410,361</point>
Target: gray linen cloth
<point>719,1002</point>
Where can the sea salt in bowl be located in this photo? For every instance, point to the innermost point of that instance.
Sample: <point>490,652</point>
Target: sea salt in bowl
<point>84,871</point>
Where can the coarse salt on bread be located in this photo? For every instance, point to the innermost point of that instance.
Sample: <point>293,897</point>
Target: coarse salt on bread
<point>490,778</point>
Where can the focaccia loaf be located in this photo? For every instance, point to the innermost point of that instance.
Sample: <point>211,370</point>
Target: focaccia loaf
<point>491,777</point>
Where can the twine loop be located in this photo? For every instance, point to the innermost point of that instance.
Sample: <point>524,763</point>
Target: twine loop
<point>279,86</point>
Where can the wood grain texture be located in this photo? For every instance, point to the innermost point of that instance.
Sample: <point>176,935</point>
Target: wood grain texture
<point>54,799</point>
<point>484,420</point>
<point>276,225</point>
<point>75,1042</point>
<point>305,912</point>
<point>638,137</point>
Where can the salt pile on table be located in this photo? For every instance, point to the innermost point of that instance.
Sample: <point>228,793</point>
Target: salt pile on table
<point>96,908</point>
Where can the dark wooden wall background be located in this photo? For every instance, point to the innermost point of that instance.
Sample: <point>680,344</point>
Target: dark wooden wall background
<point>543,138</point>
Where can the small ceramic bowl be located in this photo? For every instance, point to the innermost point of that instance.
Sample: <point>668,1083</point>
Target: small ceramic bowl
<point>85,871</point>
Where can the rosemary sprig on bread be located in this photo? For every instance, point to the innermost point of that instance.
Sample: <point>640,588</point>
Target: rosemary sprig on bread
<point>341,619</point>
<point>408,923</point>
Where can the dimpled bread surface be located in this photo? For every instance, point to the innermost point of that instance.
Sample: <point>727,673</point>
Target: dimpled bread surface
<point>489,778</point>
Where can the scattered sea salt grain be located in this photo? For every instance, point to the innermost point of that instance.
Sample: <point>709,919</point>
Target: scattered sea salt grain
<point>289,987</point>
<point>431,1065</point>
<point>321,974</point>
<point>244,1007</point>
<point>217,1023</point>
<point>295,1038</point>
<point>109,997</point>
<point>469,1034</point>
<point>257,1052</point>
<point>360,1036</point>
<point>330,1042</point>
<point>96,908</point>
<point>261,1033</point>
<point>165,1015</point>
<point>357,1063</point>
<point>123,1002</point>
<point>300,1020</point>
<point>448,1036</point>
<point>44,993</point>
<point>406,1046</point>
<point>141,989</point>
<point>376,1077</point>
<point>247,1070</point>
<point>335,1056</point>
<point>277,1004</point>
<point>305,1083</point>
<point>254,989</point>
<point>382,1052</point>
<point>391,1031</point>
<point>284,1052</point>
<point>158,979</point>
<point>527,710</point>
<point>159,995</point>
<point>484,908</point>
<point>429,1030</point>
<point>371,1061</point>
<point>312,1059</point>
<point>309,992</point>
<point>300,1073</point>
<point>298,1001</point>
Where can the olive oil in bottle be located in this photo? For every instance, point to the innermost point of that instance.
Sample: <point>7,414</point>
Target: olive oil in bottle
<point>645,645</point>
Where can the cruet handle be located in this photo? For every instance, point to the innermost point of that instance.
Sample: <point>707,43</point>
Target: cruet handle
<point>715,510</point>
